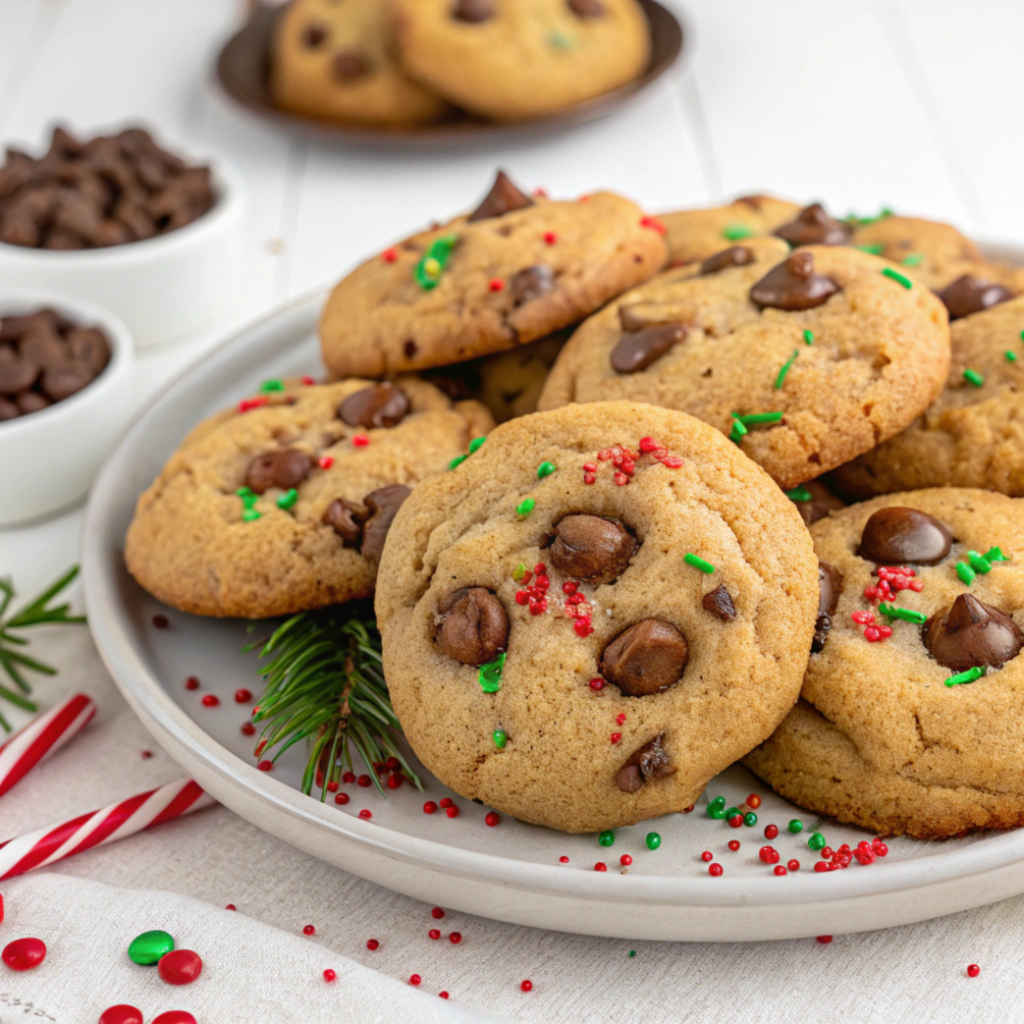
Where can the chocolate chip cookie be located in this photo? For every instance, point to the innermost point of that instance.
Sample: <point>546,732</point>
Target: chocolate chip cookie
<point>595,613</point>
<point>333,61</point>
<point>514,270</point>
<point>516,59</point>
<point>973,435</point>
<point>283,503</point>
<point>909,720</point>
<point>805,359</point>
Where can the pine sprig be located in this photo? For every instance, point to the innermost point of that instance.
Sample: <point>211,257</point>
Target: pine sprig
<point>13,659</point>
<point>325,685</point>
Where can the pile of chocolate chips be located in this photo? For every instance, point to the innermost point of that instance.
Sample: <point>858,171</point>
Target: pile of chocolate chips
<point>45,358</point>
<point>108,191</point>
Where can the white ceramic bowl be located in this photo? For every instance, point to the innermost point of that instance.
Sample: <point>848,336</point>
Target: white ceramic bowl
<point>162,288</point>
<point>48,459</point>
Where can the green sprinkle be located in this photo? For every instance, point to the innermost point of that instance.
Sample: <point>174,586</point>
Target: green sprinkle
<point>271,385</point>
<point>520,572</point>
<point>915,259</point>
<point>245,494</point>
<point>475,444</point>
<point>799,494</point>
<point>970,676</point>
<point>560,41</point>
<point>545,469</point>
<point>996,555</point>
<point>895,275</point>
<point>653,840</point>
<point>718,813</point>
<point>875,248</point>
<point>457,461</point>
<point>796,826</point>
<point>808,337</point>
<point>906,614</point>
<point>731,812</point>
<point>606,838</point>
<point>250,515</point>
<point>973,377</point>
<point>427,273</point>
<point>759,417</point>
<point>288,499</point>
<point>815,841</point>
<point>1011,357</point>
<point>738,432</point>
<point>786,366</point>
<point>632,952</point>
<point>500,738</point>
<point>750,819</point>
<point>698,563</point>
<point>737,232</point>
<point>965,572</point>
<point>526,506</point>
<point>719,801</point>
<point>489,675</point>
<point>979,563</point>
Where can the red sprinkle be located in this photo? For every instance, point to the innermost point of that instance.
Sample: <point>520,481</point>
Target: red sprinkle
<point>248,404</point>
<point>24,954</point>
<point>395,781</point>
<point>329,975</point>
<point>973,970</point>
<point>780,870</point>
<point>443,995</point>
<point>793,865</point>
<point>307,380</point>
<point>446,801</point>
<point>597,683</point>
<point>620,718</point>
<point>496,285</point>
<point>161,621</point>
<point>332,787</point>
<point>734,845</point>
<point>326,461</point>
<point>211,700</point>
<point>414,979</point>
<point>616,736</point>
<point>243,696</point>
<point>266,766</point>
<point>736,821</point>
<point>563,859</point>
<point>771,831</point>
<point>248,729</point>
<point>455,938</point>
<point>434,933</point>
<point>654,224</point>
<point>121,1014</point>
<point>372,944</point>
<point>231,906</point>
<point>625,860</point>
<point>824,939</point>
<point>147,754</point>
<point>715,870</point>
<point>550,237</point>
<point>452,812</point>
<point>493,818</point>
<point>365,814</point>
<point>192,683</point>
<point>527,985</point>
<point>360,441</point>
<point>706,856</point>
<point>600,866</point>
<point>309,930</point>
<point>430,807</point>
<point>437,913</point>
<point>389,255</point>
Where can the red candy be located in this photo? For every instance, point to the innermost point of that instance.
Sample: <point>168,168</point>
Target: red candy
<point>360,440</point>
<point>389,255</point>
<point>625,860</point>
<point>121,1014</point>
<point>243,696</point>
<point>211,700</point>
<point>342,798</point>
<point>492,819</point>
<point>24,954</point>
<point>600,866</point>
<point>824,939</point>
<point>455,938</point>
<point>793,865</point>
<point>550,237</point>
<point>180,967</point>
<point>330,974</point>
<point>753,801</point>
<point>452,812</point>
<point>654,224</point>
<point>326,461</point>
<point>434,933</point>
<point>706,856</point>
<point>496,285</point>
<point>768,855</point>
<point>527,985</point>
<point>415,979</point>
<point>597,684</point>
<point>265,766</point>
<point>437,913</point>
<point>771,831</point>
<point>192,683</point>
<point>175,1017</point>
<point>734,845</point>
<point>736,821</point>
<point>616,736</point>
<point>309,930</point>
<point>365,814</point>
<point>715,870</point>
<point>780,870</point>
<point>248,729</point>
<point>348,776</point>
<point>973,970</point>
<point>364,781</point>
<point>372,944</point>
<point>446,801</point>
<point>430,807</point>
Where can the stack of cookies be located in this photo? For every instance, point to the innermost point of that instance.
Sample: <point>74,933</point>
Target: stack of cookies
<point>590,610</point>
<point>394,63</point>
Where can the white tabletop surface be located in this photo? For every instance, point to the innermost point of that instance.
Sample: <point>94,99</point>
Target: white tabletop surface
<point>912,104</point>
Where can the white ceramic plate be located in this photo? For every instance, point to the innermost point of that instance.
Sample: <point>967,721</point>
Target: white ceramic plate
<point>511,872</point>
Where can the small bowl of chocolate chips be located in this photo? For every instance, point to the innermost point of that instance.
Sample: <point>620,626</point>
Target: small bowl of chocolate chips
<point>65,394</point>
<point>119,219</point>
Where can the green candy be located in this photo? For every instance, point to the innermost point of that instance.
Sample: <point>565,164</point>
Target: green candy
<point>750,819</point>
<point>653,840</point>
<point>489,675</point>
<point>796,826</point>
<point>500,738</point>
<point>606,838</point>
<point>288,499</point>
<point>526,506</point>
<point>731,812</point>
<point>545,469</point>
<point>816,841</point>
<point>718,813</point>
<point>475,444</point>
<point>719,801</point>
<point>147,948</point>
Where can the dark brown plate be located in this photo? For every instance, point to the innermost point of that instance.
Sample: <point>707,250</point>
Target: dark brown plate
<point>243,66</point>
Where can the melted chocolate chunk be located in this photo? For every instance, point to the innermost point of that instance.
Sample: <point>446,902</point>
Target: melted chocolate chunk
<point>822,502</point>
<point>382,405</point>
<point>532,283</point>
<point>383,505</point>
<point>719,603</point>
<point>635,352</point>
<point>968,294</point>
<point>473,11</point>
<point>646,658</point>
<point>503,198</point>
<point>346,518</point>
<point>898,536</point>
<point>350,65</point>
<point>587,8</point>
<point>830,582</point>
<point>285,468</point>
<point>793,285</point>
<point>813,226</point>
<point>737,256</point>
<point>473,626</point>
<point>313,35</point>
<point>592,549</point>
<point>970,633</point>
<point>649,762</point>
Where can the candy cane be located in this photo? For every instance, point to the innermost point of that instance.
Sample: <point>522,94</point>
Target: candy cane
<point>42,737</point>
<point>144,811</point>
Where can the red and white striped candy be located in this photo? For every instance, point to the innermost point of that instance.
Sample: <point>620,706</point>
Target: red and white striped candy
<point>42,737</point>
<point>146,810</point>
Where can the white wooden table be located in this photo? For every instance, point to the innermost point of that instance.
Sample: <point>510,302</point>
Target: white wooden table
<point>912,104</point>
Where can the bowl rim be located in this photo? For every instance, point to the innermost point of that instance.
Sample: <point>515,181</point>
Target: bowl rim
<point>84,313</point>
<point>229,186</point>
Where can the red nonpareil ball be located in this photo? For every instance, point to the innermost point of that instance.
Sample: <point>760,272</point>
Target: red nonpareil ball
<point>231,906</point>
<point>768,855</point>
<point>771,831</point>
<point>706,856</point>
<point>493,819</point>
<point>175,1017</point>
<point>452,812</point>
<point>780,870</point>
<point>734,845</point>
<point>210,700</point>
<point>330,975</point>
<point>455,938</point>
<point>443,995</point>
<point>192,683</point>
<point>372,944</point>
<point>309,930</point>
<point>348,776</point>
<point>414,979</point>
<point>793,865</point>
<point>437,913</point>
<point>527,985</point>
<point>753,801</point>
<point>364,781</point>
<point>446,802</point>
<point>600,866</point>
<point>430,807</point>
<point>435,933</point>
<point>824,939</point>
<point>24,954</point>
<point>563,859</point>
<point>248,729</point>
<point>180,967</point>
<point>121,1014</point>
<point>625,860</point>
<point>715,870</point>
<point>973,970</point>
<point>243,696</point>
<point>365,814</point>
<point>341,798</point>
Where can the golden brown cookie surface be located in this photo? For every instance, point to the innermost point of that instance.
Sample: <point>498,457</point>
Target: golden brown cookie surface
<point>692,667</point>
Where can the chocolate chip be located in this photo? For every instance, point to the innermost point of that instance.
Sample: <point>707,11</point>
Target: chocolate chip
<point>349,66</point>
<point>473,11</point>
<point>285,468</point>
<point>822,502</point>
<point>793,285</point>
<point>737,256</point>
<point>649,762</point>
<point>473,626</point>
<point>813,226</point>
<point>645,659</point>
<point>592,549</point>
<point>89,347</point>
<point>754,202</point>
<point>60,382</point>
<point>8,410</point>
<point>313,35</point>
<point>719,603</point>
<point>587,8</point>
<point>383,505</point>
<point>16,372</point>
<point>532,283</point>
<point>382,405</point>
<point>970,633</point>
<point>969,294</point>
<point>346,518</point>
<point>898,536</point>
<point>31,401</point>
<point>635,352</point>
<point>44,347</point>
<point>503,198</point>
<point>830,583</point>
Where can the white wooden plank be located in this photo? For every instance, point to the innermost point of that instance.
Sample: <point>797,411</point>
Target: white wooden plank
<point>971,60</point>
<point>810,100</point>
<point>23,27</point>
